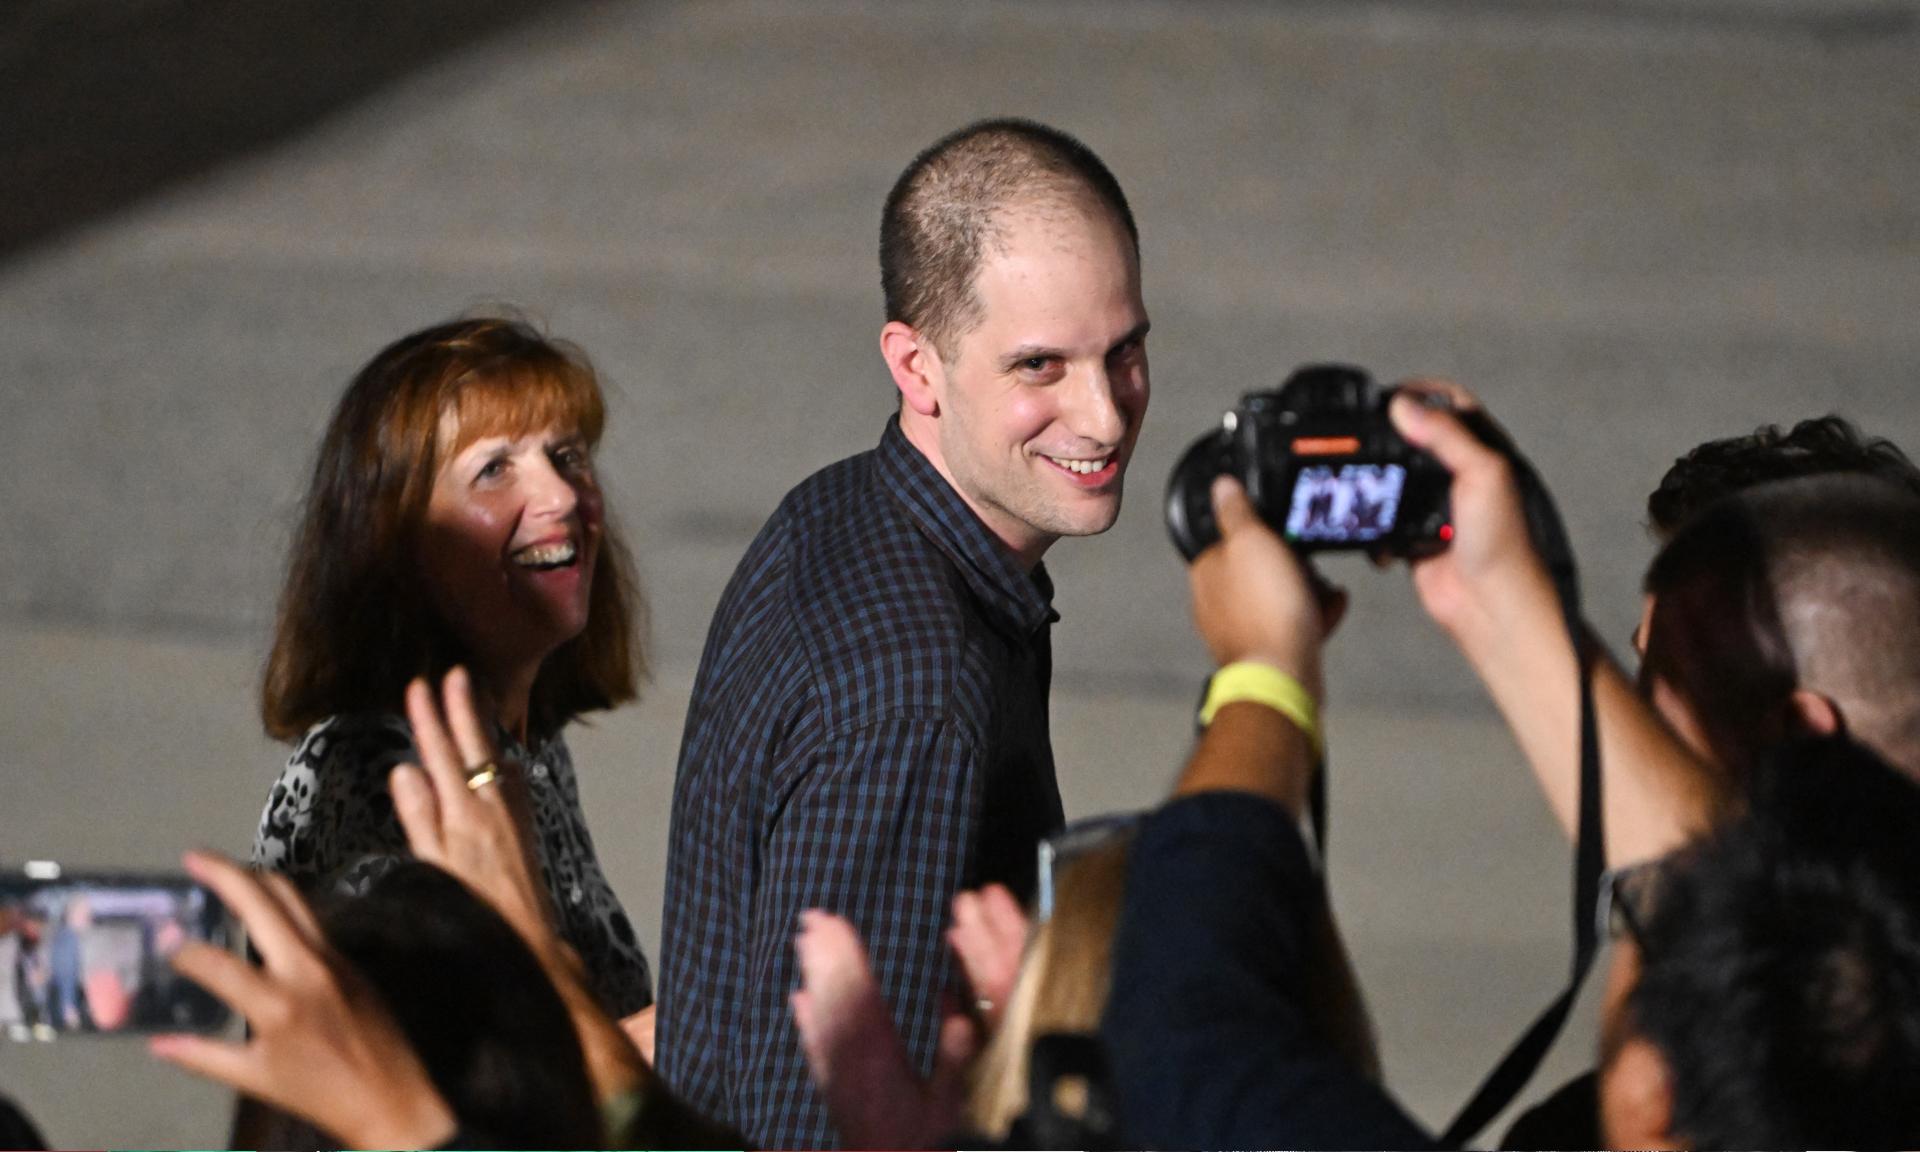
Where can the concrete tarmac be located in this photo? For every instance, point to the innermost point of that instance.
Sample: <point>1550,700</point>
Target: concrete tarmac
<point>1630,225</point>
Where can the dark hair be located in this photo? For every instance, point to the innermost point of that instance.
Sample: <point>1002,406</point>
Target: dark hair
<point>475,1004</point>
<point>1719,468</point>
<point>16,1128</point>
<point>1715,637</point>
<point>1780,962</point>
<point>945,210</point>
<point>354,622</point>
<point>1807,583</point>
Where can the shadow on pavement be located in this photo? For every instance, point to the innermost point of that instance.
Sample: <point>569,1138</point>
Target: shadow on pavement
<point>109,101</point>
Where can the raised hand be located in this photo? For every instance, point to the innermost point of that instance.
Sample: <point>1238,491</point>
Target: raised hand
<point>323,1045</point>
<point>989,935</point>
<point>458,811</point>
<point>457,807</point>
<point>855,1054</point>
<point>1491,571</point>
<point>1493,595</point>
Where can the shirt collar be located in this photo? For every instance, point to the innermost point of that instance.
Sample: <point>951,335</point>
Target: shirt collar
<point>991,571</point>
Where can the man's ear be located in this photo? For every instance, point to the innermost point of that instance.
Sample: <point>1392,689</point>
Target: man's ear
<point>1636,1098</point>
<point>1816,714</point>
<point>915,365</point>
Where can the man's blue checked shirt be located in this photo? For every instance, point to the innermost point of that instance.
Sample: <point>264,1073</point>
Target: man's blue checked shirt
<point>868,735</point>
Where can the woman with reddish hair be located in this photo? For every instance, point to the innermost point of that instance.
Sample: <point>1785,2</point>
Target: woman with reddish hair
<point>455,518</point>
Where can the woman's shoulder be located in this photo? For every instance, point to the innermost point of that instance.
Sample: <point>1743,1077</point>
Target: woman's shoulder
<point>329,805</point>
<point>352,739</point>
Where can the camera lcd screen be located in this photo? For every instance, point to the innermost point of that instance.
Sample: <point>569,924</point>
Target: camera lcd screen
<point>1348,503</point>
<point>90,955</point>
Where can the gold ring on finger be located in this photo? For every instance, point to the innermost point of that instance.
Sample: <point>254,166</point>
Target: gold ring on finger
<point>482,776</point>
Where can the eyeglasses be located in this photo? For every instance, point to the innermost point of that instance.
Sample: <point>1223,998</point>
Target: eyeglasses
<point>1077,839</point>
<point>1628,898</point>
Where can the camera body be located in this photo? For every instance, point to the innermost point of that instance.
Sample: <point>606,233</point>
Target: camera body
<point>1322,465</point>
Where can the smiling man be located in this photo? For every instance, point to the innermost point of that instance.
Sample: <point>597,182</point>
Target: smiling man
<point>868,733</point>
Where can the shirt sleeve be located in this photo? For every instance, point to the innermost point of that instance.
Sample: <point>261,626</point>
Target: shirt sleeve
<point>329,823</point>
<point>1207,1027</point>
<point>879,828</point>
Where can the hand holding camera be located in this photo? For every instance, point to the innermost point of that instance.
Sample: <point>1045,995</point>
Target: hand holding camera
<point>1331,462</point>
<point>1253,599</point>
<point>1490,571</point>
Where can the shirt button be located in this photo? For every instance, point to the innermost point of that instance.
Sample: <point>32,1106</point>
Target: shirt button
<point>576,895</point>
<point>539,771</point>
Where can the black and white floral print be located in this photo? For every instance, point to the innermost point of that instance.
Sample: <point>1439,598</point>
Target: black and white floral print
<point>329,825</point>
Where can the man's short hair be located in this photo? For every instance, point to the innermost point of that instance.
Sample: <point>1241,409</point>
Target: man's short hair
<point>947,209</point>
<point>1811,583</point>
<point>1814,447</point>
<point>1780,962</point>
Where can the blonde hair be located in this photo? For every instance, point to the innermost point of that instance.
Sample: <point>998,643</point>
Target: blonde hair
<point>1063,982</point>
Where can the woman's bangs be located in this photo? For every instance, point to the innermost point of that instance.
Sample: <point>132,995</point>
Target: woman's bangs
<point>525,399</point>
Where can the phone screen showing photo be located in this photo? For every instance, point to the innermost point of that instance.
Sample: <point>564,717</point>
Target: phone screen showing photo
<point>1347,503</point>
<point>89,955</point>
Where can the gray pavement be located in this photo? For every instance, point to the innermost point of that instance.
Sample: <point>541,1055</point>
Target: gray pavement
<point>1629,225</point>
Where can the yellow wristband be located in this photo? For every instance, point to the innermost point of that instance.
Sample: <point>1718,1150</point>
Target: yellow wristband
<point>622,1115</point>
<point>1264,684</point>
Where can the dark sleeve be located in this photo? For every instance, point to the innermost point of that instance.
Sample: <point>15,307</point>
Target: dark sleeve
<point>1206,1026</point>
<point>879,829</point>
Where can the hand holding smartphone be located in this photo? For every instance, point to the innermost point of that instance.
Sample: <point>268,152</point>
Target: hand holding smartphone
<point>89,953</point>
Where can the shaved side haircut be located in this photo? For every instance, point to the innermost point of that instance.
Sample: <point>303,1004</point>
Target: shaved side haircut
<point>1811,583</point>
<point>948,209</point>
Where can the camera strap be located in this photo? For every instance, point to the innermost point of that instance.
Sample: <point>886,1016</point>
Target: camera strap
<point>1513,1071</point>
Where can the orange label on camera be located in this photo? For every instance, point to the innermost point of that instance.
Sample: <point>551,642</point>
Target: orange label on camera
<point>1326,446</point>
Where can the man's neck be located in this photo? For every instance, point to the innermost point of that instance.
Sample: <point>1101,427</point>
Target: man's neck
<point>1025,546</point>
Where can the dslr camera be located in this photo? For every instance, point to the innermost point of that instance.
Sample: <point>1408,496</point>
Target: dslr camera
<point>1322,465</point>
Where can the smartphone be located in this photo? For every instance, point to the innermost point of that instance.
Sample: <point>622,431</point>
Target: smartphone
<point>86,953</point>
